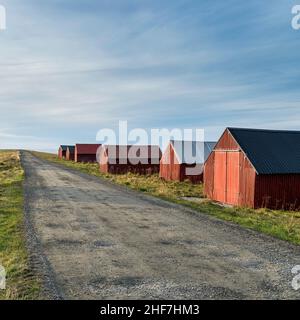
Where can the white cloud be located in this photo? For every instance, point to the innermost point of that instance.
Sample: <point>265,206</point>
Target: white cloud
<point>66,71</point>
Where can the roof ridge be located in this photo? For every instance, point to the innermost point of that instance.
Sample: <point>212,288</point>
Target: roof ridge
<point>270,151</point>
<point>131,145</point>
<point>264,130</point>
<point>209,141</point>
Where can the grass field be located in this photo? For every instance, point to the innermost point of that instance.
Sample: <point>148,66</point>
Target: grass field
<point>20,282</point>
<point>281,224</point>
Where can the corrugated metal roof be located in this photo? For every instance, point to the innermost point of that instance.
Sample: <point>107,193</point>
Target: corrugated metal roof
<point>192,152</point>
<point>270,151</point>
<point>87,148</point>
<point>64,147</point>
<point>122,151</point>
<point>71,148</point>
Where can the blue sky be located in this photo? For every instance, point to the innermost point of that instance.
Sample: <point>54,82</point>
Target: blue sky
<point>71,67</point>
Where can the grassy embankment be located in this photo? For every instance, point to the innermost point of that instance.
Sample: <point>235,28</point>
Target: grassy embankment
<point>20,282</point>
<point>281,224</point>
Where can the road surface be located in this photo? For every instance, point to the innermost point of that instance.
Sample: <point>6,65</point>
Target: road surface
<point>91,239</point>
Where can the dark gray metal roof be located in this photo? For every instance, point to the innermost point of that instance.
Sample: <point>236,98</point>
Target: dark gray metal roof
<point>71,148</point>
<point>270,151</point>
<point>65,147</point>
<point>190,152</point>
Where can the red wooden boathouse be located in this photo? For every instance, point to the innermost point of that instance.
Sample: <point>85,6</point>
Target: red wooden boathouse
<point>62,151</point>
<point>255,168</point>
<point>86,152</point>
<point>70,154</point>
<point>120,159</point>
<point>182,156</point>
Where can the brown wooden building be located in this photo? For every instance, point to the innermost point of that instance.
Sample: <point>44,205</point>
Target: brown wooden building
<point>255,168</point>
<point>70,155</point>
<point>120,159</point>
<point>86,152</point>
<point>183,160</point>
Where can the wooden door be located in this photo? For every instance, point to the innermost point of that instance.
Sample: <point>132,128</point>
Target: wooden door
<point>233,178</point>
<point>220,176</point>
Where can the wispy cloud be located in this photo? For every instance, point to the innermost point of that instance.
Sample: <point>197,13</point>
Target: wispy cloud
<point>69,68</point>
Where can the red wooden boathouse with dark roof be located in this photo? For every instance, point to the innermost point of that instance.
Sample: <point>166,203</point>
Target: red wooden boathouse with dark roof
<point>70,155</point>
<point>182,156</point>
<point>86,152</point>
<point>139,159</point>
<point>255,168</point>
<point>62,151</point>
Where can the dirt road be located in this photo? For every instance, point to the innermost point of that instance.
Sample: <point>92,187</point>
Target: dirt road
<point>91,239</point>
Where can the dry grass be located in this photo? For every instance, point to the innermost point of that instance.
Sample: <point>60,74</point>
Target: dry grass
<point>281,224</point>
<point>20,284</point>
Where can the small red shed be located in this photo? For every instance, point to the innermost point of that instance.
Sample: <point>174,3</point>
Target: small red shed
<point>70,155</point>
<point>120,159</point>
<point>255,168</point>
<point>62,151</point>
<point>183,160</point>
<point>86,152</point>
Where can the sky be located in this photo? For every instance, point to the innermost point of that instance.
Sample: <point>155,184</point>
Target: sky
<point>69,68</point>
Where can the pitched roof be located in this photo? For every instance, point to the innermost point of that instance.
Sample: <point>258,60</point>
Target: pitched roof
<point>87,148</point>
<point>64,147</point>
<point>270,151</point>
<point>122,151</point>
<point>71,148</point>
<point>191,152</point>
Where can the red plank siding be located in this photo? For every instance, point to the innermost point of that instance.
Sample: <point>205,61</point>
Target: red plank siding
<point>219,190</point>
<point>227,142</point>
<point>86,152</point>
<point>233,178</point>
<point>278,192</point>
<point>247,182</point>
<point>114,164</point>
<point>61,153</point>
<point>70,155</point>
<point>172,170</point>
<point>229,177</point>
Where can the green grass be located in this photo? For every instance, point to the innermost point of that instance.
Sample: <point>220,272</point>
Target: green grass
<point>20,282</point>
<point>284,225</point>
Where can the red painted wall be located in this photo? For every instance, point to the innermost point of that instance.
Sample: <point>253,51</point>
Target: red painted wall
<point>86,158</point>
<point>61,154</point>
<point>117,168</point>
<point>86,152</point>
<point>227,142</point>
<point>171,170</point>
<point>70,155</point>
<point>228,175</point>
<point>278,192</point>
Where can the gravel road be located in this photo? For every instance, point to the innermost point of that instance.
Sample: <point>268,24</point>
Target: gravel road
<point>90,239</point>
